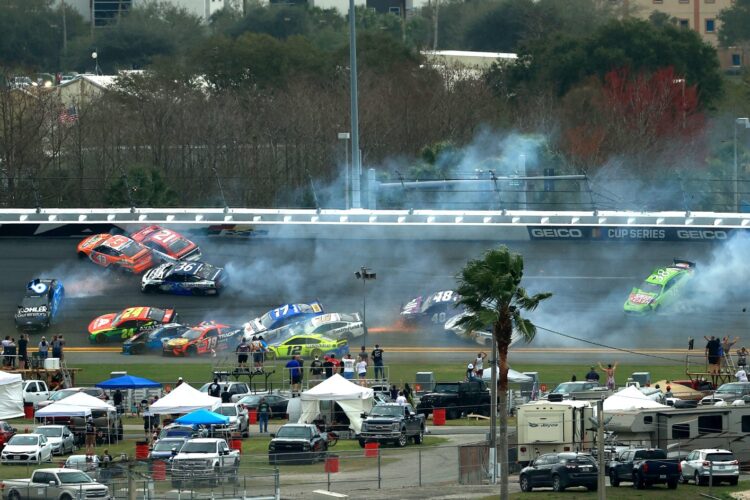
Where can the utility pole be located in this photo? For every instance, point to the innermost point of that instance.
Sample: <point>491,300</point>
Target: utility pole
<point>493,412</point>
<point>601,478</point>
<point>435,25</point>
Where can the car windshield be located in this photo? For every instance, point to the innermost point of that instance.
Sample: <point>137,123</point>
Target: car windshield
<point>229,411</point>
<point>49,431</point>
<point>731,388</point>
<point>35,301</point>
<point>130,249</point>
<point>198,447</point>
<point>250,400</point>
<point>446,388</point>
<point>57,396</point>
<point>567,388</point>
<point>206,271</point>
<point>192,334</point>
<point>647,287</point>
<point>156,314</point>
<point>579,459</point>
<point>720,457</point>
<point>178,245</point>
<point>294,432</point>
<point>168,444</point>
<point>74,477</point>
<point>23,441</point>
<point>387,411</point>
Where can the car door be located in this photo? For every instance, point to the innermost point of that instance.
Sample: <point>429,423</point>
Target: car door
<point>624,467</point>
<point>688,465</point>
<point>537,472</point>
<point>46,448</point>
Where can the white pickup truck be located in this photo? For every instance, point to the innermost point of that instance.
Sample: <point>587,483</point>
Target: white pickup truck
<point>55,484</point>
<point>35,391</point>
<point>205,459</point>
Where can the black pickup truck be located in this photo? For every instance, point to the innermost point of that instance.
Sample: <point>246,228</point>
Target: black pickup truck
<point>457,398</point>
<point>644,467</point>
<point>392,422</point>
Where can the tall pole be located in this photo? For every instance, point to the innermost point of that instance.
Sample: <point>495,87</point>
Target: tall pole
<point>736,183</point>
<point>493,412</point>
<point>600,449</point>
<point>435,25</point>
<point>364,302</point>
<point>65,30</point>
<point>356,173</point>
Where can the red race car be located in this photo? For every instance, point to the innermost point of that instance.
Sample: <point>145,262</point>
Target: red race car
<point>167,242</point>
<point>117,252</point>
<point>205,338</point>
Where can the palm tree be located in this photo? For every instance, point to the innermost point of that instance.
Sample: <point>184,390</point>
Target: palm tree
<point>491,292</point>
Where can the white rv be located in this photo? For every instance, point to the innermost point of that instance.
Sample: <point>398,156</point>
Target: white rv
<point>548,427</point>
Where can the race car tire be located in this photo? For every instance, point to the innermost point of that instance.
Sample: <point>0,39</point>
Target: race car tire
<point>191,351</point>
<point>100,339</point>
<point>148,289</point>
<point>197,292</point>
<point>317,353</point>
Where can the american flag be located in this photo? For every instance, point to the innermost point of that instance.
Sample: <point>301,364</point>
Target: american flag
<point>68,115</point>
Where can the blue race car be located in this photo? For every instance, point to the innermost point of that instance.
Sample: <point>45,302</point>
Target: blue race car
<point>282,316</point>
<point>41,305</point>
<point>184,278</point>
<point>152,340</point>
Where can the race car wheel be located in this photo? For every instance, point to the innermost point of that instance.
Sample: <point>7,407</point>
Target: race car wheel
<point>191,351</point>
<point>100,339</point>
<point>197,292</point>
<point>148,289</point>
<point>317,353</point>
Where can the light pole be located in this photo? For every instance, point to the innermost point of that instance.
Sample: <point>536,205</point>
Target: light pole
<point>746,123</point>
<point>345,136</point>
<point>364,274</point>
<point>95,57</point>
<point>356,170</point>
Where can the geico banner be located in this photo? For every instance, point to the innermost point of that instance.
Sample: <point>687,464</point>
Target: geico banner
<point>572,233</point>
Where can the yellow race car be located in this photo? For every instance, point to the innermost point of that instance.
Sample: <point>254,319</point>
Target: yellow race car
<point>307,345</point>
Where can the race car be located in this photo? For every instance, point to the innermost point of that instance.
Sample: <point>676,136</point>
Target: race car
<point>40,305</point>
<point>661,288</point>
<point>205,338</point>
<point>335,326</point>
<point>307,345</point>
<point>281,316</point>
<point>435,308</point>
<point>167,243</point>
<point>152,340</point>
<point>184,278</point>
<point>116,252</point>
<point>116,327</point>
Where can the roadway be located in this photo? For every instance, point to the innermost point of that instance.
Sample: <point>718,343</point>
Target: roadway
<point>590,282</point>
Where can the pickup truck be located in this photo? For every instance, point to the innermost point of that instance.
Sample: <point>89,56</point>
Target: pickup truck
<point>392,422</point>
<point>644,467</point>
<point>59,484</point>
<point>205,459</point>
<point>35,391</point>
<point>457,398</point>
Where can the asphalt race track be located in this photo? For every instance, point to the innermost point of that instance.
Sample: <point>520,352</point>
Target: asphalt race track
<point>590,282</point>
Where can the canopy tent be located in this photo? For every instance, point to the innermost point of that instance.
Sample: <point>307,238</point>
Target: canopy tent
<point>79,404</point>
<point>514,377</point>
<point>184,399</point>
<point>630,398</point>
<point>678,390</point>
<point>203,417</point>
<point>128,382</point>
<point>11,395</point>
<point>87,401</point>
<point>352,398</point>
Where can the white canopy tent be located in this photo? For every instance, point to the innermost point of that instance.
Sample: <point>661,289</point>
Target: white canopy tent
<point>352,398</point>
<point>184,399</point>
<point>11,395</point>
<point>514,377</point>
<point>630,398</point>
<point>62,409</point>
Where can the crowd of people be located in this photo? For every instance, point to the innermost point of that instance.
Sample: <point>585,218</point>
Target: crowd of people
<point>15,354</point>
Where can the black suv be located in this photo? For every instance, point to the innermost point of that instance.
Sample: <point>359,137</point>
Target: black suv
<point>297,443</point>
<point>560,471</point>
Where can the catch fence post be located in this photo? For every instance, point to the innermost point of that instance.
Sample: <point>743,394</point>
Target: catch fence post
<point>420,467</point>
<point>277,484</point>
<point>379,476</point>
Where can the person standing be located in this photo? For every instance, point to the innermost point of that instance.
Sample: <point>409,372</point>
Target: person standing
<point>55,347</point>
<point>242,351</point>
<point>362,371</point>
<point>43,349</point>
<point>226,396</point>
<point>726,347</point>
<point>592,376</point>
<point>741,374</point>
<point>393,392</point>
<point>117,400</point>
<point>179,382</point>
<point>316,369</point>
<point>348,367</point>
<point>61,341</point>
<point>479,364</point>
<point>264,413</point>
<point>363,355</point>
<point>5,344</point>
<point>293,368</point>
<point>263,351</point>
<point>328,367</point>
<point>408,394</point>
<point>10,350</point>
<point>214,389</point>
<point>377,360</point>
<point>23,352</point>
<point>713,357</point>
<point>90,436</point>
<point>401,399</point>
<point>742,357</point>
<point>610,371</point>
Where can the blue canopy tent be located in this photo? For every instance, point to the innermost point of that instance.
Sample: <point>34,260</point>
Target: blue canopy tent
<point>203,417</point>
<point>128,382</point>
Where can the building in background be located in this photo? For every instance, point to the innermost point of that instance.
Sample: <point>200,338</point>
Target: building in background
<point>105,12</point>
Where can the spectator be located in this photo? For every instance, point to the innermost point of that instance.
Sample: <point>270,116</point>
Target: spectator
<point>726,347</point>
<point>470,371</point>
<point>226,396</point>
<point>362,370</point>
<point>215,388</point>
<point>293,367</point>
<point>328,366</point>
<point>43,349</point>
<point>105,459</point>
<point>316,369</point>
<point>592,376</point>
<point>393,392</point>
<point>23,352</point>
<point>117,400</point>
<point>242,351</point>
<point>336,363</point>
<point>741,374</point>
<point>257,349</point>
<point>610,371</point>
<point>147,418</point>
<point>691,343</point>
<point>90,436</point>
<point>363,355</point>
<point>179,382</point>
<point>479,364</point>
<point>713,357</point>
<point>55,347</point>
<point>377,360</point>
<point>573,378</point>
<point>61,342</point>
<point>401,399</point>
<point>742,357</point>
<point>669,394</point>
<point>264,413</point>
<point>5,343</point>
<point>409,394</point>
<point>348,367</point>
<point>10,351</point>
<point>263,351</point>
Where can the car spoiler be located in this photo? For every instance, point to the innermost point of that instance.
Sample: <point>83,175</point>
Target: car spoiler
<point>683,263</point>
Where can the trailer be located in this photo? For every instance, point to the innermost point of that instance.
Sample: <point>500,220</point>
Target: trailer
<point>549,427</point>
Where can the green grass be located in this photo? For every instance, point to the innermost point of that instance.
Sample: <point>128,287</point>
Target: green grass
<point>688,491</point>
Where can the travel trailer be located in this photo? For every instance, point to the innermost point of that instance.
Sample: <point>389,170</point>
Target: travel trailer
<point>548,427</point>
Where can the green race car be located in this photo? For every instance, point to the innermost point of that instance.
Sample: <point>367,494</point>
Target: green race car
<point>661,288</point>
<point>307,346</point>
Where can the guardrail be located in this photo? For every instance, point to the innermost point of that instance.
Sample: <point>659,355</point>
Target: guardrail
<point>505,225</point>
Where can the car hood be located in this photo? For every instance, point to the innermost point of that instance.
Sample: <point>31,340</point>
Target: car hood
<point>156,273</point>
<point>639,298</point>
<point>20,449</point>
<point>176,342</point>
<point>413,307</point>
<point>31,313</point>
<point>102,323</point>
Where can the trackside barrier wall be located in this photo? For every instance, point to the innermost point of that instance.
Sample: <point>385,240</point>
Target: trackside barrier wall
<point>385,224</point>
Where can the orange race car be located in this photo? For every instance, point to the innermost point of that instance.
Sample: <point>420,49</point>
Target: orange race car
<point>205,338</point>
<point>167,242</point>
<point>117,252</point>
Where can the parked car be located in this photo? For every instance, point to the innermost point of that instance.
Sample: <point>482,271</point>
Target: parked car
<point>296,443</point>
<point>179,430</point>
<point>457,398</point>
<point>238,418</point>
<point>394,423</point>
<point>88,464</point>
<point>64,393</point>
<point>238,390</point>
<point>6,432</point>
<point>26,448</point>
<point>566,389</point>
<point>645,467</point>
<point>62,484</point>
<point>59,437</point>
<point>205,460</point>
<point>714,465</point>
<point>164,449</point>
<point>727,393</point>
<point>35,391</point>
<point>277,403</point>
<point>560,471</point>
